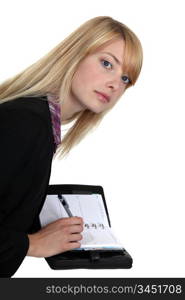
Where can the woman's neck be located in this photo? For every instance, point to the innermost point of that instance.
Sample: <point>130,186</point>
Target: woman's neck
<point>69,107</point>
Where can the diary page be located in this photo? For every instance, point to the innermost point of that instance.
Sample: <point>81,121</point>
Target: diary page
<point>96,233</point>
<point>89,207</point>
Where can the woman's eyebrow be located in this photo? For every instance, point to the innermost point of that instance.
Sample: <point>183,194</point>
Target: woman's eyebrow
<point>115,58</point>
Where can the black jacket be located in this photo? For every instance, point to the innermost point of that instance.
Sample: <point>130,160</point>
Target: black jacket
<point>26,152</point>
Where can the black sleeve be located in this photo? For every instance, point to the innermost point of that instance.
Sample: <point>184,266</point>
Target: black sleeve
<point>22,134</point>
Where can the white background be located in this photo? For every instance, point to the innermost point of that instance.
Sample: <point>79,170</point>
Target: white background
<point>138,152</point>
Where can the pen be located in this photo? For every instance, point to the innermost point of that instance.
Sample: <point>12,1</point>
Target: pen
<point>65,205</point>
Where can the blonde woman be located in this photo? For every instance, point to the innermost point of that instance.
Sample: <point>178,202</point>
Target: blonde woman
<point>80,80</point>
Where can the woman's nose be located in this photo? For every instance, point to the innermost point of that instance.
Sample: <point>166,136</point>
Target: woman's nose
<point>113,84</point>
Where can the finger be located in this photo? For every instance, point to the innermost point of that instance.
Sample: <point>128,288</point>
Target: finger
<point>76,220</point>
<point>75,228</point>
<point>71,221</point>
<point>75,237</point>
<point>73,245</point>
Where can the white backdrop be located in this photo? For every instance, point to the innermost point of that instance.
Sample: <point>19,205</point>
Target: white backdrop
<point>137,153</point>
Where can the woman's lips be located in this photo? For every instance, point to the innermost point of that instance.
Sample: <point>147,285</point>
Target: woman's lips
<point>103,97</point>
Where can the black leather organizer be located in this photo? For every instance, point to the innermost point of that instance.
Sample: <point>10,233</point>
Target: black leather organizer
<point>87,259</point>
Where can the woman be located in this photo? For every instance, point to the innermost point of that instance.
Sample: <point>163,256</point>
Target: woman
<point>80,80</point>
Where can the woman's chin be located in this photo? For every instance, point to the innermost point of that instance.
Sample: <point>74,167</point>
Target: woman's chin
<point>96,109</point>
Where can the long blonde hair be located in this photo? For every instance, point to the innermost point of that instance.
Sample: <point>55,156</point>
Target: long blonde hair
<point>54,71</point>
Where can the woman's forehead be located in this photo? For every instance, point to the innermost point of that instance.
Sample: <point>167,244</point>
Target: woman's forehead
<point>114,48</point>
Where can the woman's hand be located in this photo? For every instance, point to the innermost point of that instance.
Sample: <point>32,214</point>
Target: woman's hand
<point>59,236</point>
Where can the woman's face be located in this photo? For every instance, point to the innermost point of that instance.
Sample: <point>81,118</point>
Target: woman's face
<point>99,81</point>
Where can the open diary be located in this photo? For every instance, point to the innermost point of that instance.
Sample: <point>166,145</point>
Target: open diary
<point>97,233</point>
<point>100,247</point>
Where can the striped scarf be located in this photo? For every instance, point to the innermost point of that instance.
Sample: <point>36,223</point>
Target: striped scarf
<point>56,119</point>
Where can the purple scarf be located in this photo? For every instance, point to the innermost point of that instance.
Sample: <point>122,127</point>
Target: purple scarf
<point>56,119</point>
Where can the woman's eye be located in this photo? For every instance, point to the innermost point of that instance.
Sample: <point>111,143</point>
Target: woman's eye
<point>125,79</point>
<point>106,64</point>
